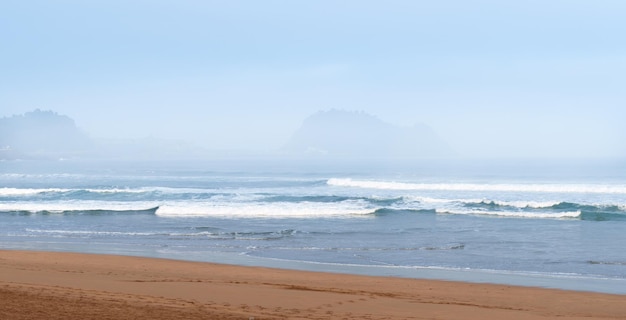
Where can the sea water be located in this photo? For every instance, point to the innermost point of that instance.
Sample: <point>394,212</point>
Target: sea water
<point>553,225</point>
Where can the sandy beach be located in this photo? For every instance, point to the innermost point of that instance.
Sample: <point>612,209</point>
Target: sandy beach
<point>45,285</point>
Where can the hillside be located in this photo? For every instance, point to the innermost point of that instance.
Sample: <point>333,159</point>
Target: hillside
<point>40,134</point>
<point>337,133</point>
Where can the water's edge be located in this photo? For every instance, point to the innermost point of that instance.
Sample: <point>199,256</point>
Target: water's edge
<point>498,277</point>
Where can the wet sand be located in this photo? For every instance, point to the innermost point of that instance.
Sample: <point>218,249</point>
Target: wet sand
<point>45,285</point>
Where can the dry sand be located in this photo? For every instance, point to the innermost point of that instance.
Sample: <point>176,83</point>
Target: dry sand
<point>44,285</point>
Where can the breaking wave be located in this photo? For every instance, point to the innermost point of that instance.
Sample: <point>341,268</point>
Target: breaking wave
<point>199,202</point>
<point>95,212</point>
<point>516,214</point>
<point>559,210</point>
<point>78,208</point>
<point>497,187</point>
<point>264,210</point>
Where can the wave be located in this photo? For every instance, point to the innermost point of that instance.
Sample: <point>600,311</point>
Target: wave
<point>50,193</point>
<point>347,208</point>
<point>498,187</point>
<point>35,191</point>
<point>80,208</point>
<point>258,235</point>
<point>320,198</point>
<point>263,210</point>
<point>273,205</point>
<point>70,233</point>
<point>599,212</point>
<point>380,201</point>
<point>213,235</point>
<point>610,263</point>
<point>388,211</point>
<point>603,216</point>
<point>11,192</point>
<point>515,214</point>
<point>455,246</point>
<point>491,204</point>
<point>508,214</point>
<point>96,212</point>
<point>155,194</point>
<point>459,246</point>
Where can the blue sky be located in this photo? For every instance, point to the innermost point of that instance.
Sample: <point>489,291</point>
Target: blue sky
<point>493,78</point>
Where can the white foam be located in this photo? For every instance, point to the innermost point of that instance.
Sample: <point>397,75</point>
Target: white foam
<point>170,190</point>
<point>526,204</point>
<point>435,200</point>
<point>62,206</point>
<point>34,191</point>
<point>114,190</point>
<point>514,214</point>
<point>8,192</point>
<point>516,204</point>
<point>264,210</point>
<point>501,187</point>
<point>164,190</point>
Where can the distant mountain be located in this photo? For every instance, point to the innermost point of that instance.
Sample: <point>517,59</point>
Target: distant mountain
<point>47,135</point>
<point>338,133</point>
<point>41,134</point>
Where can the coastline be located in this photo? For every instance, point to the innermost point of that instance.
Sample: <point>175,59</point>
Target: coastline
<point>34,284</point>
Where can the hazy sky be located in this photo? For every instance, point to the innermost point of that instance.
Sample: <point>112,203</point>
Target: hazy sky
<point>493,78</point>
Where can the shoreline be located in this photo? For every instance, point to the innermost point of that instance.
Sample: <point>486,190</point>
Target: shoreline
<point>571,282</point>
<point>101,286</point>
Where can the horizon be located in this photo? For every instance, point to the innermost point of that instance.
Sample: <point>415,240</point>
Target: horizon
<point>170,149</point>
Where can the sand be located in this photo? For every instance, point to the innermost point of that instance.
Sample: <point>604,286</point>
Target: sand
<point>45,285</point>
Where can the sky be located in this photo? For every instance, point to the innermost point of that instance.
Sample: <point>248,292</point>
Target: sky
<point>493,78</point>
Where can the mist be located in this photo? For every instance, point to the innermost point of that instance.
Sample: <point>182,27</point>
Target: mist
<point>490,80</point>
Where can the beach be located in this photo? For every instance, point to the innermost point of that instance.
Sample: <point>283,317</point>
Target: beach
<point>52,285</point>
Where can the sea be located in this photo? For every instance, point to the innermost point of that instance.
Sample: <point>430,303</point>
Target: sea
<point>556,224</point>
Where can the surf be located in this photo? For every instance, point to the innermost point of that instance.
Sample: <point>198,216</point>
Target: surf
<point>486,187</point>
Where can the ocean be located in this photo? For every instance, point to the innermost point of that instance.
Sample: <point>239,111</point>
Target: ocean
<point>553,224</point>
